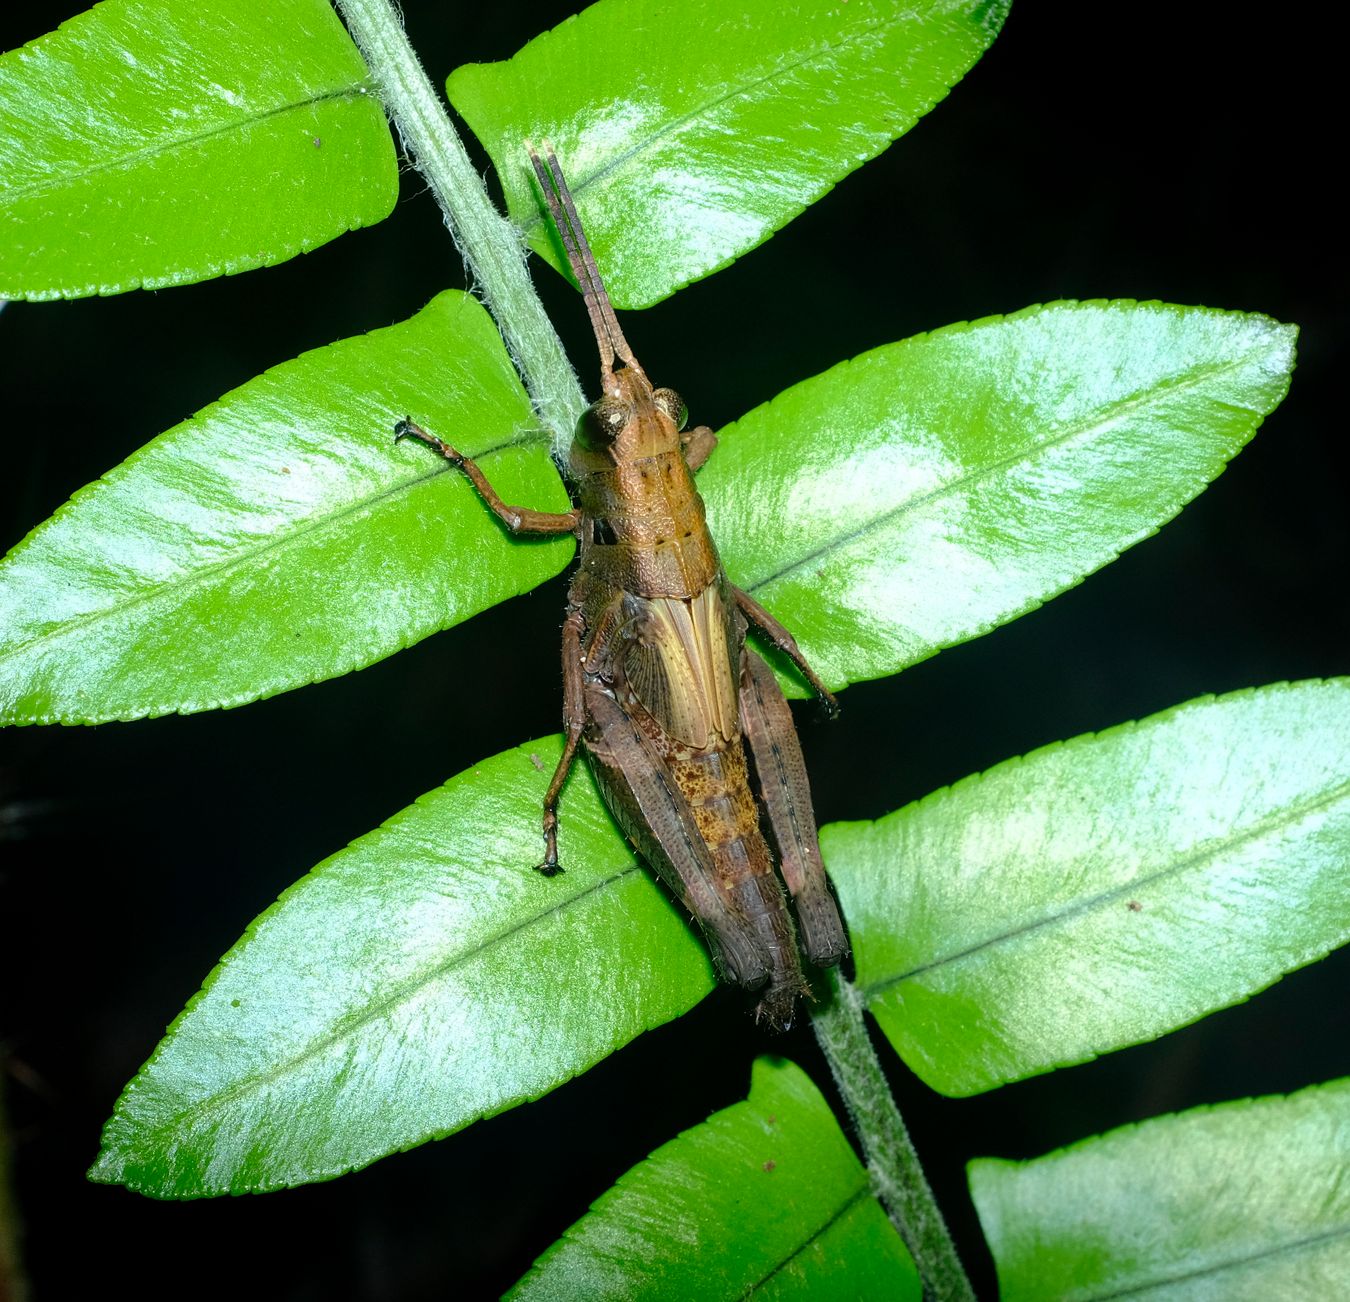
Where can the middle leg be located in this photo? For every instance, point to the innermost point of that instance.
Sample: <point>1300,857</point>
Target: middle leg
<point>574,720</point>
<point>787,644</point>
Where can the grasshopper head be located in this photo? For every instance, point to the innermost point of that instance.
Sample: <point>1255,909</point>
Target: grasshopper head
<point>632,420</point>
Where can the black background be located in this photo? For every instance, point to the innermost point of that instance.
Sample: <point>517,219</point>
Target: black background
<point>1141,151</point>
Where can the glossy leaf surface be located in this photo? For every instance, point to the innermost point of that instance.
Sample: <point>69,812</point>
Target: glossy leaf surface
<point>420,979</point>
<point>425,976</point>
<point>910,499</point>
<point>1103,891</point>
<point>690,133</point>
<point>158,142</point>
<point>279,536</point>
<point>930,490</point>
<point>764,1199</point>
<point>1245,1202</point>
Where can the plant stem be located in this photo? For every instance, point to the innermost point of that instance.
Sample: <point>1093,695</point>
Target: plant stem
<point>496,261</point>
<point>892,1163</point>
<point>494,253</point>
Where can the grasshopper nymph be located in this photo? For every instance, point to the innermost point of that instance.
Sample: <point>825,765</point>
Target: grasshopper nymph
<point>658,682</point>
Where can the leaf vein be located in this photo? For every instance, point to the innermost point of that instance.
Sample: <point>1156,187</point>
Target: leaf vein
<point>1100,420</point>
<point>670,128</point>
<point>1235,1263</point>
<point>282,539</point>
<point>862,1192</point>
<point>170,146</point>
<point>345,1027</point>
<point>1262,827</point>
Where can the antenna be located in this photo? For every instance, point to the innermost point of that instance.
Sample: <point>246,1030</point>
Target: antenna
<point>608,337</point>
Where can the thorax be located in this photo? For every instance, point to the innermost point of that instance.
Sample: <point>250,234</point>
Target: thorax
<point>645,530</point>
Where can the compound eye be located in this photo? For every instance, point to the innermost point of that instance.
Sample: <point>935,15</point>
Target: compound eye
<point>672,404</point>
<point>601,423</point>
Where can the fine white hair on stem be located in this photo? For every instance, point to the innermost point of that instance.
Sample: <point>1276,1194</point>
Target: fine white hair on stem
<point>493,252</point>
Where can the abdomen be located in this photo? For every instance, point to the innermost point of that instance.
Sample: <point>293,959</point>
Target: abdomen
<point>717,787</point>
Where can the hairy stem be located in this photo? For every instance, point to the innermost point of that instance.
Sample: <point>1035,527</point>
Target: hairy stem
<point>496,261</point>
<point>494,253</point>
<point>892,1163</point>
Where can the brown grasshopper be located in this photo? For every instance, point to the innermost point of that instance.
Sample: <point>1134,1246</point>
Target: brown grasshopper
<point>658,681</point>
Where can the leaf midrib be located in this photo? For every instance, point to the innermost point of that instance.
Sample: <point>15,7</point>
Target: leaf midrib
<point>168,146</point>
<point>1103,418</point>
<point>858,1195</point>
<point>1287,816</point>
<point>281,539</point>
<point>349,1025</point>
<point>1219,1267</point>
<point>619,160</point>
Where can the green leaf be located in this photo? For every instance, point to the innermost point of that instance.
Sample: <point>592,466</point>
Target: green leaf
<point>1245,1201</point>
<point>279,536</point>
<point>690,133</point>
<point>764,1199</point>
<point>907,500</point>
<point>1103,891</point>
<point>927,491</point>
<point>159,142</point>
<point>420,979</point>
<point>425,977</point>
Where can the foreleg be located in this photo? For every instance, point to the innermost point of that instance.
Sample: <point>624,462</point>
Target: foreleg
<point>697,445</point>
<point>519,519</point>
